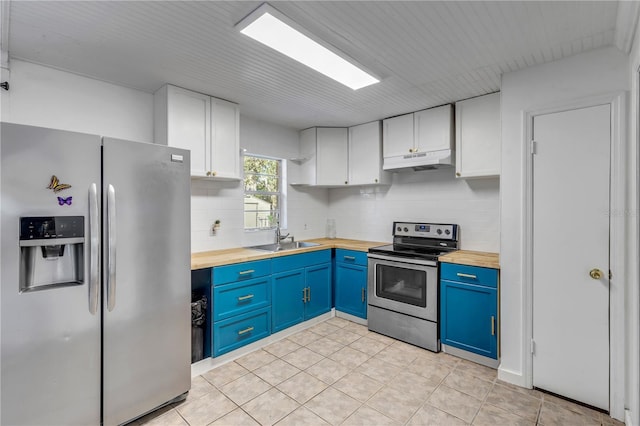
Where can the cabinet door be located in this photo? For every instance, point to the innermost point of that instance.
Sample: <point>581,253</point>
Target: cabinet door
<point>225,142</point>
<point>478,137</point>
<point>434,129</point>
<point>397,136</point>
<point>318,283</point>
<point>468,317</point>
<point>189,126</point>
<point>351,289</point>
<point>332,156</point>
<point>365,154</point>
<point>287,305</point>
<point>307,162</point>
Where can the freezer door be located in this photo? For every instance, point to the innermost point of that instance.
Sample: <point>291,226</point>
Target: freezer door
<point>49,338</point>
<point>147,290</point>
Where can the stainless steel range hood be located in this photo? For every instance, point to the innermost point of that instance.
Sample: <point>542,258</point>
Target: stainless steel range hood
<point>418,161</point>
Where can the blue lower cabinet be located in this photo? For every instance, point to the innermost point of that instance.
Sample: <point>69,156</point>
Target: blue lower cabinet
<point>351,289</point>
<point>288,291</point>
<point>240,330</point>
<point>240,297</point>
<point>318,283</point>
<point>468,317</point>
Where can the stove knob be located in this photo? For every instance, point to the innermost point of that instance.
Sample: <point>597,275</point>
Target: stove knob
<point>439,231</point>
<point>446,231</point>
<point>399,229</point>
<point>406,229</point>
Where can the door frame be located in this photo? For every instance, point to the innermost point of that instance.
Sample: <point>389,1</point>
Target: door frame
<point>617,188</point>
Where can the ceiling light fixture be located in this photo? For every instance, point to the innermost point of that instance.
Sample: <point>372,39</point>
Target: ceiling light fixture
<point>272,28</point>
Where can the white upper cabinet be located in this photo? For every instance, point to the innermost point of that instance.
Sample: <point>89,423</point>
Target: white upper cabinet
<point>307,159</point>
<point>225,140</point>
<point>398,135</point>
<point>478,137</point>
<point>206,126</point>
<point>433,129</point>
<point>332,156</point>
<point>422,131</point>
<point>365,155</point>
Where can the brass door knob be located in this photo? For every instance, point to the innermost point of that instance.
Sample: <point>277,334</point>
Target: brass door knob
<point>208,173</point>
<point>595,273</point>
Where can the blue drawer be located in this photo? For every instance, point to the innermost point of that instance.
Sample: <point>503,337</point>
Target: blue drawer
<point>297,261</point>
<point>240,297</point>
<point>469,274</point>
<point>240,330</point>
<point>352,257</point>
<point>241,271</point>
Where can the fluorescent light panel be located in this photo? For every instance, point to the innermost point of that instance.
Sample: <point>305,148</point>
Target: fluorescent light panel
<point>273,32</point>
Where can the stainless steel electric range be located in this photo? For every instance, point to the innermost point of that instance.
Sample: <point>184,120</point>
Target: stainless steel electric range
<point>403,282</point>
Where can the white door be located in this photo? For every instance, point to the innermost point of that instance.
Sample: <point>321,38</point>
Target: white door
<point>570,239</point>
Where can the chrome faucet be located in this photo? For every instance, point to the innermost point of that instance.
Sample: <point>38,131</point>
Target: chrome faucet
<point>279,237</point>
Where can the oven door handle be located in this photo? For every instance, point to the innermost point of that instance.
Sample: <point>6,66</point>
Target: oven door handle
<point>402,260</point>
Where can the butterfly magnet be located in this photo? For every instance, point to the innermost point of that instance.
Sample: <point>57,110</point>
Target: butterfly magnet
<point>56,186</point>
<point>63,201</point>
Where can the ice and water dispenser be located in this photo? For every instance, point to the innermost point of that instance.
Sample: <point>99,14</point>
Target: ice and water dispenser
<point>51,252</point>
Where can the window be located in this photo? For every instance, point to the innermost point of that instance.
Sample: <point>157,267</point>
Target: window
<point>263,194</point>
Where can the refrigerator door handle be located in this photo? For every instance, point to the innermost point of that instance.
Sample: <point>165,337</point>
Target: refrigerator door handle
<point>94,249</point>
<point>111,250</point>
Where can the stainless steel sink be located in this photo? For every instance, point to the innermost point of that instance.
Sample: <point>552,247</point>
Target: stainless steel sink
<point>284,246</point>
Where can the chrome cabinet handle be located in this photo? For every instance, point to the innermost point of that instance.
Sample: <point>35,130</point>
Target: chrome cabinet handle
<point>493,325</point>
<point>248,271</point>
<point>245,331</point>
<point>349,258</point>
<point>111,251</point>
<point>460,274</point>
<point>304,295</point>
<point>362,294</point>
<point>247,297</point>
<point>94,249</point>
<point>308,294</point>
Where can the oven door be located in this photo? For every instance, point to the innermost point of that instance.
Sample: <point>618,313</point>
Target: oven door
<point>408,286</point>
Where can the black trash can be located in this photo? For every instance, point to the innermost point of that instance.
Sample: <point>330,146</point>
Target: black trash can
<point>198,318</point>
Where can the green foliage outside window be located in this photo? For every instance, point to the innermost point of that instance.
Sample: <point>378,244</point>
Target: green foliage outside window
<point>262,191</point>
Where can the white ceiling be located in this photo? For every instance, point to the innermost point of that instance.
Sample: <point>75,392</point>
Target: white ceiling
<point>428,53</point>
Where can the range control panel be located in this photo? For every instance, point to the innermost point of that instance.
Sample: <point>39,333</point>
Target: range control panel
<point>425,230</point>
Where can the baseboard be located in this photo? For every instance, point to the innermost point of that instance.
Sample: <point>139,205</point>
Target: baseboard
<point>512,377</point>
<point>351,318</point>
<point>470,356</point>
<point>207,364</point>
<point>627,418</point>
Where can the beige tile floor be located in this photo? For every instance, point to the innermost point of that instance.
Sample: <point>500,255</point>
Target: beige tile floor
<point>339,373</point>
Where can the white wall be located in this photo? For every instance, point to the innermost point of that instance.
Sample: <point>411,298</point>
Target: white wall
<point>211,200</point>
<point>429,196</point>
<point>45,97</point>
<point>597,72</point>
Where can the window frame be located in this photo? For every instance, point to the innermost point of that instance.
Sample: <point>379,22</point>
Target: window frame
<point>280,214</point>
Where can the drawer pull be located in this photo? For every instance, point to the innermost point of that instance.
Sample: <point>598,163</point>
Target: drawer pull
<point>248,271</point>
<point>493,325</point>
<point>245,331</point>
<point>349,258</point>
<point>460,274</point>
<point>362,294</point>
<point>247,297</point>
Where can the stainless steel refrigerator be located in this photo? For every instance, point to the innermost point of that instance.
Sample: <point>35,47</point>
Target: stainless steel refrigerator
<point>95,277</point>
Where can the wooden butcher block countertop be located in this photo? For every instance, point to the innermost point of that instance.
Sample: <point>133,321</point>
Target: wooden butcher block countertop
<point>208,259</point>
<point>473,258</point>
